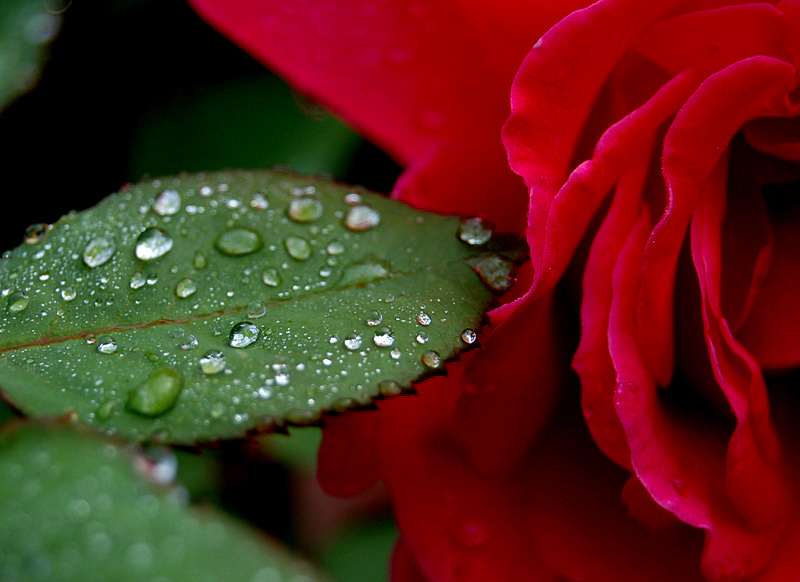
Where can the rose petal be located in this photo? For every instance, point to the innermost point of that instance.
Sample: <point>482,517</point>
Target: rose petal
<point>404,565</point>
<point>348,458</point>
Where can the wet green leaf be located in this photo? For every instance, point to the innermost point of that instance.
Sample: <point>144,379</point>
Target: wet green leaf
<point>197,308</point>
<point>26,28</point>
<point>72,507</point>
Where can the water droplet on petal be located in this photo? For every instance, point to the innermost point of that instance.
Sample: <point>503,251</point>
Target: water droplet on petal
<point>352,341</point>
<point>212,362</point>
<point>17,301</point>
<point>422,337</point>
<point>271,277</point>
<point>496,272</point>
<point>137,280</point>
<point>106,344</point>
<point>383,337</point>
<point>256,309</point>
<point>362,217</point>
<point>68,293</point>
<point>474,232</point>
<point>167,203</point>
<point>374,318</point>
<point>297,247</point>
<point>152,244</point>
<point>199,261</point>
<point>238,241</point>
<point>305,209</point>
<point>243,334</point>
<point>423,318</point>
<point>335,247</point>
<point>185,288</point>
<point>157,394</point>
<point>98,251</point>
<point>35,233</point>
<point>431,359</point>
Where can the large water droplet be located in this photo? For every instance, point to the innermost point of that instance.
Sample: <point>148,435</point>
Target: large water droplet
<point>68,293</point>
<point>359,274</point>
<point>212,362</point>
<point>431,359</point>
<point>106,344</point>
<point>158,394</point>
<point>474,232</point>
<point>305,209</point>
<point>238,241</point>
<point>98,251</point>
<point>35,233</point>
<point>297,247</point>
<point>137,280</point>
<point>152,243</point>
<point>190,342</point>
<point>167,203</point>
<point>422,337</point>
<point>243,334</point>
<point>496,272</point>
<point>362,217</point>
<point>423,318</point>
<point>271,277</point>
<point>374,318</point>
<point>468,336</point>
<point>185,288</point>
<point>383,337</point>
<point>256,309</point>
<point>352,341</point>
<point>17,301</point>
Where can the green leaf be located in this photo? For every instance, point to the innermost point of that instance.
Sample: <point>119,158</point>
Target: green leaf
<point>26,28</point>
<point>73,508</point>
<point>197,308</point>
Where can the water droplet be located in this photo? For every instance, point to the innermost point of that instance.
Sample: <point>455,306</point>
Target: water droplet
<point>185,288</point>
<point>256,309</point>
<point>390,388</point>
<point>474,232</point>
<point>325,272</point>
<point>68,293</point>
<point>243,334</point>
<point>212,362</point>
<point>431,359</point>
<point>297,247</point>
<point>359,274</point>
<point>190,342</point>
<point>152,243</point>
<point>199,261</point>
<point>352,341</point>
<point>468,336</point>
<point>423,318</point>
<point>157,464</point>
<point>90,339</point>
<point>383,337</point>
<point>352,198</point>
<point>271,277</point>
<point>395,353</point>
<point>105,410</point>
<point>106,344</point>
<point>374,318</point>
<point>98,251</point>
<point>335,247</point>
<point>362,217</point>
<point>35,233</point>
<point>137,280</point>
<point>17,301</point>
<point>167,203</point>
<point>238,241</point>
<point>496,272</point>
<point>206,191</point>
<point>157,394</point>
<point>259,202</point>
<point>422,337</point>
<point>305,209</point>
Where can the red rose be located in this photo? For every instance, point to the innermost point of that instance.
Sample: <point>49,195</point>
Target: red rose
<point>657,140</point>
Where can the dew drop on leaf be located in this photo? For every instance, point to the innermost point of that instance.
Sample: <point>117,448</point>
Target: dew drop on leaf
<point>383,337</point>
<point>212,362</point>
<point>305,209</point>
<point>152,244</point>
<point>199,261</point>
<point>359,274</point>
<point>137,280</point>
<point>98,251</point>
<point>335,247</point>
<point>185,288</point>
<point>17,301</point>
<point>243,334</point>
<point>374,318</point>
<point>389,388</point>
<point>297,247</point>
<point>238,241</point>
<point>395,353</point>
<point>468,336</point>
<point>68,293</point>
<point>157,394</point>
<point>423,318</point>
<point>496,272</point>
<point>259,202</point>
<point>422,337</point>
<point>362,217</point>
<point>256,309</point>
<point>271,277</point>
<point>35,233</point>
<point>167,203</point>
<point>190,342</point>
<point>352,341</point>
<point>106,344</point>
<point>474,232</point>
<point>431,359</point>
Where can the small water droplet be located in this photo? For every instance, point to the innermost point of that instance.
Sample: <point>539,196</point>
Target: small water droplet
<point>243,334</point>
<point>474,232</point>
<point>185,288</point>
<point>325,271</point>
<point>305,209</point>
<point>190,342</point>
<point>395,353</point>
<point>256,309</point>
<point>297,247</point>
<point>362,217</point>
<point>390,388</point>
<point>68,293</point>
<point>206,191</point>
<point>431,359</point>
<point>212,362</point>
<point>383,337</point>
<point>238,241</point>
<point>105,410</point>
<point>159,465</point>
<point>352,341</point>
<point>468,336</point>
<point>152,244</point>
<point>157,394</point>
<point>422,337</point>
<point>35,233</point>
<point>137,280</point>
<point>106,344</point>
<point>98,251</point>
<point>496,272</point>
<point>90,339</point>
<point>17,301</point>
<point>199,261</point>
<point>259,202</point>
<point>335,247</point>
<point>271,277</point>
<point>167,203</point>
<point>374,318</point>
<point>423,318</point>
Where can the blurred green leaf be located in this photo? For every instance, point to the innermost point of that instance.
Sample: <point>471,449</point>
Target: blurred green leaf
<point>361,552</point>
<point>73,508</point>
<point>198,308</point>
<point>297,452</point>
